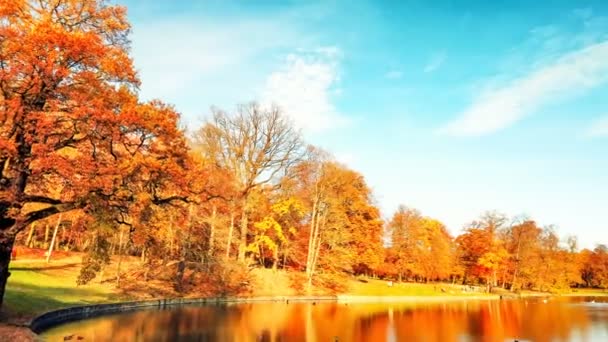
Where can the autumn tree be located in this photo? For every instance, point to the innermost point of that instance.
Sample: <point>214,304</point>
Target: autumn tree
<point>438,263</point>
<point>519,255</point>
<point>560,268</point>
<point>594,268</point>
<point>473,244</point>
<point>403,226</point>
<point>521,241</point>
<point>343,227</point>
<point>72,131</point>
<point>422,245</point>
<point>599,261</point>
<point>257,144</point>
<point>277,227</point>
<point>481,249</point>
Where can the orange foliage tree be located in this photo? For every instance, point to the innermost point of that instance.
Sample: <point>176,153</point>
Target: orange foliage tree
<point>422,246</point>
<point>72,130</point>
<point>343,227</point>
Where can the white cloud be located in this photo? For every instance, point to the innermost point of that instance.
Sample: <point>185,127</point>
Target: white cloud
<point>599,128</point>
<point>173,54</point>
<point>435,62</point>
<point>346,158</point>
<point>303,88</point>
<point>394,74</point>
<point>500,107</point>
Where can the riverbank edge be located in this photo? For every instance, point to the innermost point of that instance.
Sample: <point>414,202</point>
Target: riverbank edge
<point>412,299</point>
<point>74,313</point>
<point>56,317</point>
<point>60,316</point>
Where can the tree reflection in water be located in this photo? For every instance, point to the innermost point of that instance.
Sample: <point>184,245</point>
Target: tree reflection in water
<point>506,320</point>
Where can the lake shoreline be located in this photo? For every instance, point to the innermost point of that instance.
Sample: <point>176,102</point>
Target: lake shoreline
<point>345,298</point>
<point>75,313</point>
<point>27,331</point>
<point>33,291</point>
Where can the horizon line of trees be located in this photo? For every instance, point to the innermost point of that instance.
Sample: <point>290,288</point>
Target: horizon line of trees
<point>516,254</point>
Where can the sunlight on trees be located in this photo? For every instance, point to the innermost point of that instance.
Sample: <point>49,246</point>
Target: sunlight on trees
<point>85,166</point>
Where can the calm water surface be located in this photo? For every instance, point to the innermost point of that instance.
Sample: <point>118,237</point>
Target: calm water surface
<point>506,320</point>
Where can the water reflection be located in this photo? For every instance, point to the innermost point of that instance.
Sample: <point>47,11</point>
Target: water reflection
<point>506,320</point>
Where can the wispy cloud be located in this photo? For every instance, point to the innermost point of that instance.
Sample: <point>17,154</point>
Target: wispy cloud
<point>197,63</point>
<point>346,158</point>
<point>394,74</point>
<point>502,106</point>
<point>435,62</point>
<point>303,87</point>
<point>171,54</point>
<point>599,128</point>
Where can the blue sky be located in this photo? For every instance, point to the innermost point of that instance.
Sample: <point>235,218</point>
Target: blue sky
<point>453,108</point>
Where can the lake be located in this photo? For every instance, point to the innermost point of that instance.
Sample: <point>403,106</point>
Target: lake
<point>557,319</point>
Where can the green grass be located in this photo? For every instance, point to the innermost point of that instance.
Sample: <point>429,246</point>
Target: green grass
<point>36,287</point>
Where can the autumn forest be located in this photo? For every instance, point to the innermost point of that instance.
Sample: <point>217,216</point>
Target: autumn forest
<point>87,167</point>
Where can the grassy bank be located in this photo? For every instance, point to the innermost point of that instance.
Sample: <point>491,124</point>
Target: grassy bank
<point>36,286</point>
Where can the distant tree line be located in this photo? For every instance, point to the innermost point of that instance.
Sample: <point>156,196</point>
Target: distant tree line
<point>515,254</point>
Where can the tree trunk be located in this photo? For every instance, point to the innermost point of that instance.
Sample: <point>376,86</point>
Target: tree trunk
<point>6,248</point>
<point>50,251</point>
<point>311,235</point>
<point>316,249</point>
<point>243,240</point>
<point>314,264</point>
<point>261,252</point>
<point>103,267</point>
<point>517,261</point>
<point>179,276</point>
<point>30,235</point>
<point>171,238</point>
<point>181,265</point>
<point>230,232</point>
<point>62,239</point>
<point>142,259</point>
<point>119,258</point>
<point>112,247</point>
<point>46,236</point>
<point>285,253</point>
<point>212,233</point>
<point>513,280</point>
<point>86,245</point>
<point>276,258</point>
